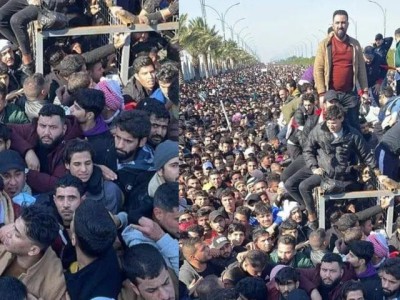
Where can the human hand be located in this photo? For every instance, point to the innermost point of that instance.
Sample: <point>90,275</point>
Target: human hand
<point>376,88</point>
<point>108,174</point>
<point>120,39</point>
<point>385,201</point>
<point>318,171</point>
<point>149,228</point>
<point>32,161</point>
<point>5,230</point>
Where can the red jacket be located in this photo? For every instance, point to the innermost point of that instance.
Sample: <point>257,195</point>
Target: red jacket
<point>310,279</point>
<point>24,138</point>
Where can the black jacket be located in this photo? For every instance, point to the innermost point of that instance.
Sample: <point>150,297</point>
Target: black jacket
<point>336,155</point>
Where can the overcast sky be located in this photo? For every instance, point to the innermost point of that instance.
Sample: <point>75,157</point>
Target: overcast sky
<point>279,28</point>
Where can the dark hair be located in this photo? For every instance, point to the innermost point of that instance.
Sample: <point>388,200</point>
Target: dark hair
<point>142,261</point>
<point>76,146</point>
<point>94,229</point>
<point>90,100</point>
<point>256,258</point>
<point>388,91</point>
<point>223,294</point>
<point>273,177</point>
<point>41,225</point>
<point>287,240</point>
<point>153,107</point>
<point>49,110</point>
<point>292,83</point>
<point>262,209</point>
<point>135,122</point>
<point>340,12</point>
<point>391,266</point>
<point>69,180</point>
<point>168,72</point>
<point>258,232</point>
<point>288,224</point>
<point>308,97</point>
<point>287,274</point>
<point>334,112</point>
<point>5,132</point>
<point>347,221</point>
<point>70,64</point>
<point>236,227</point>
<point>351,286</point>
<point>253,288</point>
<point>332,257</point>
<point>202,212</point>
<point>140,62</point>
<point>166,196</point>
<point>33,86</point>
<point>397,31</point>
<point>3,69</point>
<point>12,289</point>
<point>227,192</point>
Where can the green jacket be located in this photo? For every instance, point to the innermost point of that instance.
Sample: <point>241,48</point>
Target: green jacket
<point>397,55</point>
<point>289,109</point>
<point>298,261</point>
<point>14,114</point>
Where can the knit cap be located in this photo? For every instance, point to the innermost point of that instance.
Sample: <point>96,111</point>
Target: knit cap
<point>381,248</point>
<point>112,94</point>
<point>164,152</point>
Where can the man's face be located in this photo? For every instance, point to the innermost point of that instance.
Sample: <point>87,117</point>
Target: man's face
<point>81,165</point>
<point>285,253</point>
<point>158,130</point>
<point>207,140</point>
<point>251,166</point>
<point>287,287</point>
<point>97,72</point>
<point>265,220</point>
<point>355,295</point>
<point>226,250</point>
<point>218,224</point>
<point>50,130</point>
<point>216,180</point>
<point>147,77</point>
<point>297,216</point>
<point>335,125</point>
<point>240,218</point>
<point>253,271</point>
<point>265,243</point>
<point>330,273</point>
<point>125,144</point>
<point>158,288</point>
<point>340,25</point>
<point>228,202</point>
<point>14,181</point>
<point>260,187</point>
<point>203,222</point>
<point>283,94</point>
<point>353,260</point>
<point>390,284</point>
<point>308,106</point>
<point>202,253</point>
<point>364,128</point>
<point>67,199</point>
<point>194,183</point>
<point>219,164</point>
<point>236,177</point>
<point>226,147</point>
<point>7,57</point>
<point>170,171</point>
<point>169,220</point>
<point>378,42</point>
<point>236,238</point>
<point>16,240</point>
<point>79,113</point>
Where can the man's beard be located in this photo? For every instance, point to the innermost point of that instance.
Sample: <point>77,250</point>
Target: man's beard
<point>122,155</point>
<point>153,143</point>
<point>332,285</point>
<point>54,144</point>
<point>341,33</point>
<point>388,293</point>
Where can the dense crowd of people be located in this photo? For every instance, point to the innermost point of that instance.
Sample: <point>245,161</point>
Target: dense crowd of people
<point>89,166</point>
<point>256,146</point>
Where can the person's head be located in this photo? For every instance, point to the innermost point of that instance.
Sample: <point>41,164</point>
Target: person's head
<point>71,64</point>
<point>215,178</point>
<point>7,53</point>
<point>287,279</point>
<point>77,81</point>
<point>252,288</point>
<point>131,131</point>
<point>340,23</point>
<point>166,161</point>
<point>260,186</point>
<point>196,251</point>
<point>201,199</point>
<point>207,285</point>
<point>67,197</point>
<point>217,221</point>
<point>347,221</point>
<point>88,105</point>
<point>93,230</point>
<point>51,125</point>
<point>95,70</point>
<point>4,80</point>
<point>254,262</point>
<point>78,159</point>
<point>12,171</point>
<point>331,270</point>
<point>12,288</point>
<point>167,74</point>
<point>5,137</point>
<point>369,54</point>
<point>263,240</point>
<point>389,272</point>
<point>263,213</point>
<point>286,249</point>
<point>283,94</point>
<point>147,273</point>
<point>360,253</point>
<point>352,290</point>
<point>144,71</point>
<point>223,245</point>
<point>242,215</point>
<point>296,214</point>
<point>386,94</point>
<point>334,117</point>
<point>236,234</point>
<point>228,200</point>
<point>273,180</point>
<point>381,248</point>
<point>330,98</point>
<point>36,87</point>
<point>33,232</point>
<point>317,239</point>
<point>166,207</point>
<point>308,102</point>
<point>379,39</point>
<point>289,227</point>
<point>364,126</point>
<point>113,99</point>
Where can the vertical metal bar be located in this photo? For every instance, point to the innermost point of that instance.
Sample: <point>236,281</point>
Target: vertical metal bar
<point>125,61</point>
<point>389,218</point>
<point>39,52</point>
<point>321,214</point>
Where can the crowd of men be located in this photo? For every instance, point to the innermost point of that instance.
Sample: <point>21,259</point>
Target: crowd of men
<point>257,144</point>
<point>89,166</point>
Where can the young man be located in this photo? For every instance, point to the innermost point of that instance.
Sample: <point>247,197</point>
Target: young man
<point>26,253</point>
<point>286,280</point>
<point>10,112</point>
<point>78,160</point>
<point>286,254</point>
<point>389,273</point>
<point>148,275</point>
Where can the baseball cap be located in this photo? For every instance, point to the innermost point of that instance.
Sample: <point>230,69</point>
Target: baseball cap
<point>378,37</point>
<point>214,214</point>
<point>207,165</point>
<point>330,95</point>
<point>9,160</point>
<point>219,241</point>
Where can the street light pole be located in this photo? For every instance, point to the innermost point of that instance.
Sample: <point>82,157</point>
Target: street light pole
<point>222,16</point>
<point>384,15</point>
<point>241,30</point>
<point>233,27</point>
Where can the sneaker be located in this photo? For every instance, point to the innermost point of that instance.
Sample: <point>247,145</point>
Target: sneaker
<point>28,69</point>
